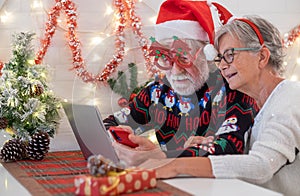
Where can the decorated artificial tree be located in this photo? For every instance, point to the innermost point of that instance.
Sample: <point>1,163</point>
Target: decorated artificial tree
<point>121,86</point>
<point>29,111</point>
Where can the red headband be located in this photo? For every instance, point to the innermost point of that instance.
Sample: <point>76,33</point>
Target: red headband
<point>255,29</point>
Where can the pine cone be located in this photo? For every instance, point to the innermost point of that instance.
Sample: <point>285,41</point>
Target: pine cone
<point>13,150</point>
<point>36,90</point>
<point>3,123</point>
<point>100,166</point>
<point>38,146</point>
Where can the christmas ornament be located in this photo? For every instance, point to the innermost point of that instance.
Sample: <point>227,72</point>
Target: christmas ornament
<point>13,150</point>
<point>38,146</point>
<point>123,102</point>
<point>36,90</point>
<point>3,123</point>
<point>100,166</point>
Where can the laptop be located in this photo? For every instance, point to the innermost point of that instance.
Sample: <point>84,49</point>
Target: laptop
<point>89,130</point>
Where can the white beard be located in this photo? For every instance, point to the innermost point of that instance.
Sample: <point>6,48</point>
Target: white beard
<point>190,86</point>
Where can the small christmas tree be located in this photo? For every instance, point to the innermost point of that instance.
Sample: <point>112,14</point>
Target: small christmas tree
<point>28,108</point>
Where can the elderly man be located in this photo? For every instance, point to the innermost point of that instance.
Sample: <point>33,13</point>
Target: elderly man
<point>193,102</point>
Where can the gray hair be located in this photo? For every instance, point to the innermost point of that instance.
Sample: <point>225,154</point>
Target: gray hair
<point>195,45</point>
<point>247,36</point>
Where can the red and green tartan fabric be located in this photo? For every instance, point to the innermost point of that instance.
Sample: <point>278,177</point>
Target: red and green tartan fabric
<point>56,173</point>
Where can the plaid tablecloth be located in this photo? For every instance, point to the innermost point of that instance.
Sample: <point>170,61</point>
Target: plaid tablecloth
<point>55,175</point>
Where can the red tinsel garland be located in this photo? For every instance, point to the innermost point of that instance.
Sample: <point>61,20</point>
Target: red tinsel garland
<point>1,66</point>
<point>291,36</point>
<point>127,17</point>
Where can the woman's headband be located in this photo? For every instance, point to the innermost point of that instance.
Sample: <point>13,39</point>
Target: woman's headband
<point>254,27</point>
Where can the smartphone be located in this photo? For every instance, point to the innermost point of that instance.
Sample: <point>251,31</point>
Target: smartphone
<point>121,136</point>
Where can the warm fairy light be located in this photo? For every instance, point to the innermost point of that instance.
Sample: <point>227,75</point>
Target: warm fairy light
<point>152,19</point>
<point>96,40</point>
<point>36,4</point>
<point>126,49</point>
<point>96,58</point>
<point>109,10</point>
<point>5,17</point>
<point>31,61</point>
<point>298,60</point>
<point>294,78</point>
<point>43,75</point>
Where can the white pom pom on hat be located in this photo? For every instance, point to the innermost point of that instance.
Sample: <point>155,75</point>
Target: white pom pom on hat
<point>210,52</point>
<point>191,20</point>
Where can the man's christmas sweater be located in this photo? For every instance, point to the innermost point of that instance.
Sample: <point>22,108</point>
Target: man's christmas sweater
<point>214,110</point>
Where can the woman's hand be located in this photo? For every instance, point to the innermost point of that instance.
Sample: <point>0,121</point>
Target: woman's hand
<point>195,141</point>
<point>165,168</point>
<point>188,166</point>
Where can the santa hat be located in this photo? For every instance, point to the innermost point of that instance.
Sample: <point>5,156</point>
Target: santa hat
<point>192,20</point>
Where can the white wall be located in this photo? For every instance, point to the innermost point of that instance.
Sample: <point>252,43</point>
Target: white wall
<point>285,14</point>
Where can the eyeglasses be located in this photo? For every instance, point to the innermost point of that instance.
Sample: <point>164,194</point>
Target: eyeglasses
<point>228,55</point>
<point>179,53</point>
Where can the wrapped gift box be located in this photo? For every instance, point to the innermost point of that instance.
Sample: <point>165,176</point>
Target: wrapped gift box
<point>124,182</point>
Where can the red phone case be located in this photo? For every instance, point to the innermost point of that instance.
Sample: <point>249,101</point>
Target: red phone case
<point>121,136</point>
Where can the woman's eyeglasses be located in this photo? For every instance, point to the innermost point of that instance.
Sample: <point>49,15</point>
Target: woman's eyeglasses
<point>228,55</point>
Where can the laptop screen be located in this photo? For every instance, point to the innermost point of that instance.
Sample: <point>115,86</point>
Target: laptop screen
<point>89,130</point>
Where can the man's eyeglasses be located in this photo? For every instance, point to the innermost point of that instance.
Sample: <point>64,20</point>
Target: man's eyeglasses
<point>179,53</point>
<point>228,55</point>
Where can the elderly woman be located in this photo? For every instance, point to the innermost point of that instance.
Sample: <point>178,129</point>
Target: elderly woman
<point>251,59</point>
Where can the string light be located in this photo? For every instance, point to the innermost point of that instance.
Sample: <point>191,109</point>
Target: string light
<point>294,78</point>
<point>96,40</point>
<point>152,19</point>
<point>109,10</point>
<point>5,17</point>
<point>298,60</point>
<point>36,5</point>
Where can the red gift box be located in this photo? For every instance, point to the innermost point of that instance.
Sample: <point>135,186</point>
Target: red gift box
<point>124,182</point>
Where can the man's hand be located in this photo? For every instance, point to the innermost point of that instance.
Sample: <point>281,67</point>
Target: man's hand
<point>135,156</point>
<point>110,121</point>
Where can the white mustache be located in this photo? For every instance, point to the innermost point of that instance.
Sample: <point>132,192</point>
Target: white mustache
<point>180,77</point>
